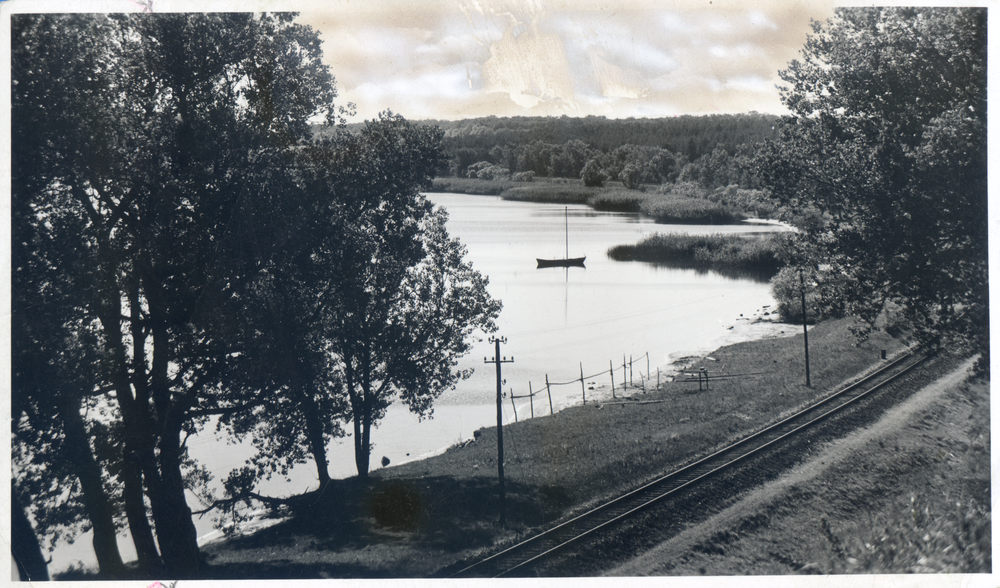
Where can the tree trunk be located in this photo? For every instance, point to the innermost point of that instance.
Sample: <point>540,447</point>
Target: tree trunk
<point>24,544</point>
<point>135,510</point>
<point>95,500</point>
<point>178,538</point>
<point>175,531</point>
<point>317,439</point>
<point>358,409</point>
<point>366,415</point>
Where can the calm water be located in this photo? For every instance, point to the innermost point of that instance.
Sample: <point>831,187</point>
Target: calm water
<point>554,320</point>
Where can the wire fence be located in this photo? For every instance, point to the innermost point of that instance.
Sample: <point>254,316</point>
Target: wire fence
<point>626,380</point>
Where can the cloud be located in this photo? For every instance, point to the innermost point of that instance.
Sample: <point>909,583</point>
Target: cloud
<point>445,59</point>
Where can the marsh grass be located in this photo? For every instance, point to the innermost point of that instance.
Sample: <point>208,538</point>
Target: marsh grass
<point>664,208</point>
<point>473,186</point>
<point>670,210</point>
<point>705,251</point>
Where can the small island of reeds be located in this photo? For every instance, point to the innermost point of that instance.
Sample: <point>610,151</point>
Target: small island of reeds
<point>759,255</point>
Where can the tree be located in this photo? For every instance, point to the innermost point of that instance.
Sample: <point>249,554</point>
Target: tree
<point>161,131</point>
<point>592,174</point>
<point>402,303</point>
<point>887,143</point>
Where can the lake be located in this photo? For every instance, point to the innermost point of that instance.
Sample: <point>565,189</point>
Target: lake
<point>554,320</point>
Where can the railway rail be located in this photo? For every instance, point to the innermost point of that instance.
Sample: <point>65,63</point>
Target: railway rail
<point>519,558</point>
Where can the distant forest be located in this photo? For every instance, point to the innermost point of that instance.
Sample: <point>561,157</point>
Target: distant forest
<point>702,149</point>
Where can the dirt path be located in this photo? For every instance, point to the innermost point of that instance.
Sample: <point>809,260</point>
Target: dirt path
<point>818,517</point>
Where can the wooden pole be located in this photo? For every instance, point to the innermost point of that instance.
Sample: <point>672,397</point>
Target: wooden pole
<point>612,378</point>
<point>805,331</point>
<point>512,405</point>
<point>548,390</point>
<point>497,360</point>
<point>531,395</point>
<point>630,372</point>
<point>583,388</point>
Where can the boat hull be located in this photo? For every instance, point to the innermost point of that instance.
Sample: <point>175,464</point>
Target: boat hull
<point>571,262</point>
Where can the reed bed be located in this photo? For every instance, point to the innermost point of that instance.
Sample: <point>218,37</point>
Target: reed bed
<point>473,186</point>
<point>671,210</point>
<point>551,193</point>
<point>704,251</point>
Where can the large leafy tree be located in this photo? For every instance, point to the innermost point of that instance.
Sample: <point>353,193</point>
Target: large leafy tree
<point>403,303</point>
<point>159,130</point>
<point>886,152</point>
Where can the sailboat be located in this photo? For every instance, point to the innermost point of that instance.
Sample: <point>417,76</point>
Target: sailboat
<point>567,261</point>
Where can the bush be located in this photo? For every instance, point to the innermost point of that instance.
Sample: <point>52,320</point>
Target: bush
<point>592,174</point>
<point>823,298</point>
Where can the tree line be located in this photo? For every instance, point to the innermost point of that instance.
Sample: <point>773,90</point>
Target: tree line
<point>186,255</point>
<point>705,149</point>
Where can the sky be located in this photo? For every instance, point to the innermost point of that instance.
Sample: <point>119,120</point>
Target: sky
<point>452,59</point>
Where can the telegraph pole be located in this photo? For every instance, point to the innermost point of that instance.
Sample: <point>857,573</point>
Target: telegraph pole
<point>498,360</point>
<point>805,331</point>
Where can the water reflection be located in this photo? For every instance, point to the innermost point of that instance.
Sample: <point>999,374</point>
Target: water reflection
<point>760,276</point>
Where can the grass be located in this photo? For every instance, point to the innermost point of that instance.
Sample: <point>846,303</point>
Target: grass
<point>412,519</point>
<point>704,251</point>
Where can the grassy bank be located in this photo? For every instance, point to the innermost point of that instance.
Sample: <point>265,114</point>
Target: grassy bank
<point>664,208</point>
<point>721,252</point>
<point>413,519</point>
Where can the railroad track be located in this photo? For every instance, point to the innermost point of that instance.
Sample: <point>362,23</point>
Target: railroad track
<point>519,558</point>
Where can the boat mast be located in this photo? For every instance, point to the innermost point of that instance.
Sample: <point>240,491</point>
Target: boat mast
<point>567,232</point>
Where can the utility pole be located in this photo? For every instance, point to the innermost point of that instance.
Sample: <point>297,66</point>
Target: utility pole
<point>805,331</point>
<point>498,360</point>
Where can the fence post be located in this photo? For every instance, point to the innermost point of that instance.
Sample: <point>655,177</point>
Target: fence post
<point>512,405</point>
<point>548,390</point>
<point>531,395</point>
<point>583,387</point>
<point>630,372</point>
<point>657,378</point>
<point>624,373</point>
<point>612,370</point>
<point>647,364</point>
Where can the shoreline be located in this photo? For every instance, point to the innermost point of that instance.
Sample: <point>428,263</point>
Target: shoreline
<point>758,326</point>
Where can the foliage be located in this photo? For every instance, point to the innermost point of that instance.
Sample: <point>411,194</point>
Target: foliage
<point>823,295</point>
<point>400,302</point>
<point>592,174</point>
<point>156,136</point>
<point>886,151</point>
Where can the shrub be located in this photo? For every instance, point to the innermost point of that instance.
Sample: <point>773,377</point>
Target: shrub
<point>823,298</point>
